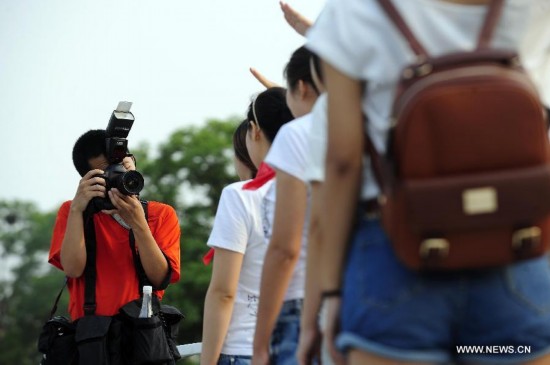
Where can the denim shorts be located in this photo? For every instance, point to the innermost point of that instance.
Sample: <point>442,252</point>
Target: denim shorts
<point>284,340</point>
<point>393,312</point>
<point>234,360</point>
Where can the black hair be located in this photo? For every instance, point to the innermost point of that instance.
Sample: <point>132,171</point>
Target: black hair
<point>271,110</point>
<point>298,69</point>
<point>89,145</point>
<point>239,146</point>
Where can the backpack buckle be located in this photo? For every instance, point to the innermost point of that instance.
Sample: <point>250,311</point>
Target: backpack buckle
<point>526,239</point>
<point>434,249</point>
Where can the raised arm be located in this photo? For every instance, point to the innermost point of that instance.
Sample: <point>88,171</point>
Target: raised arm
<point>297,21</point>
<point>262,79</point>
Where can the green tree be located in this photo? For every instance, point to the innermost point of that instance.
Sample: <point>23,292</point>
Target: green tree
<point>188,171</point>
<point>27,290</point>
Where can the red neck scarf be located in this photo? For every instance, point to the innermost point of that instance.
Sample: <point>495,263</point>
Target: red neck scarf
<point>265,174</point>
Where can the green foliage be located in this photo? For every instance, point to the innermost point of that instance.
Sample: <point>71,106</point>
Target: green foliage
<point>27,293</point>
<point>188,171</point>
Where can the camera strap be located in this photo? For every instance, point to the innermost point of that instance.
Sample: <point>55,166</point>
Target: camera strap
<point>121,221</point>
<point>142,277</point>
<point>140,271</point>
<point>90,273</point>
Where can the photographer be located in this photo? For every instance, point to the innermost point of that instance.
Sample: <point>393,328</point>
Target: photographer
<point>156,237</point>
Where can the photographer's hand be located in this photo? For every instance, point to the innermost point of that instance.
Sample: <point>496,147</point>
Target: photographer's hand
<point>129,208</point>
<point>153,260</point>
<point>90,186</point>
<point>73,249</point>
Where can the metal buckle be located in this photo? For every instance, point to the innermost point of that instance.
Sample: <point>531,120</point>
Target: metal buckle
<point>434,248</point>
<point>89,308</point>
<point>526,238</point>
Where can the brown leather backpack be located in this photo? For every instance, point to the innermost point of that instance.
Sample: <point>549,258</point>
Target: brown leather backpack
<point>466,179</point>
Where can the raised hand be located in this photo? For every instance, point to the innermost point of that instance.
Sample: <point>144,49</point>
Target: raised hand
<point>90,186</point>
<point>262,79</point>
<point>297,21</point>
<point>128,207</point>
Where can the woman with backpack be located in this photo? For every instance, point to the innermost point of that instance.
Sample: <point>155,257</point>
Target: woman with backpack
<point>390,313</point>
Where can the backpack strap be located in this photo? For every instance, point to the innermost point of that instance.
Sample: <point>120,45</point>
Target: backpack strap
<point>489,25</point>
<point>400,23</point>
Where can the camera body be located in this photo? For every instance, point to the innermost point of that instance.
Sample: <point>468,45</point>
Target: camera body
<point>115,175</point>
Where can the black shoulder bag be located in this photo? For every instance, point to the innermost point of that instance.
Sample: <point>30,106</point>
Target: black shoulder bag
<point>56,341</point>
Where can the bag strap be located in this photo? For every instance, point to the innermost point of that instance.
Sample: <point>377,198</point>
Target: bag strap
<point>490,24</point>
<point>90,273</point>
<point>140,271</point>
<point>399,22</point>
<point>142,277</point>
<point>54,308</point>
<point>484,39</point>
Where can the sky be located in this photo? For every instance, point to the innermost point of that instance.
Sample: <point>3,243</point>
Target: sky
<point>65,65</point>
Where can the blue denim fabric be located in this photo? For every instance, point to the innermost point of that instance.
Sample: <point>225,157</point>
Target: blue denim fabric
<point>400,314</point>
<point>284,340</point>
<point>234,360</point>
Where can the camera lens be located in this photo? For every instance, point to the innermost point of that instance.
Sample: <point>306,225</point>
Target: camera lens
<point>130,183</point>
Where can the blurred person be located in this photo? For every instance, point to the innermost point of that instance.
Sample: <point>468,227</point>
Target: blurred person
<point>313,342</point>
<point>231,301</point>
<point>310,345</point>
<point>286,206</point>
<point>390,314</point>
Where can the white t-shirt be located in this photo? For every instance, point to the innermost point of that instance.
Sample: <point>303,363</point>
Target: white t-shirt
<point>238,227</point>
<point>317,141</point>
<point>289,153</point>
<point>535,48</point>
<point>357,38</point>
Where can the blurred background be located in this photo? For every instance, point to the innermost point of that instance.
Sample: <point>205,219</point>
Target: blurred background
<point>65,65</point>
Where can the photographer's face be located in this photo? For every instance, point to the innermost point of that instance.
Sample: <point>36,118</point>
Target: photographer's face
<point>100,162</point>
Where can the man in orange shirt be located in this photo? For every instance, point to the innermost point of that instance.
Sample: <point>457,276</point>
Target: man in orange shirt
<point>157,237</point>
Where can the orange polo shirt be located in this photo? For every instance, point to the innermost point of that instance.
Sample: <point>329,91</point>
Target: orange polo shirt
<point>117,281</point>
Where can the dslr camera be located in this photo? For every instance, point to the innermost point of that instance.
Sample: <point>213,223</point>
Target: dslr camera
<point>116,176</point>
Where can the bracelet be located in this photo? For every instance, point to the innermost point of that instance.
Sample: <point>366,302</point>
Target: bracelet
<point>331,293</point>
